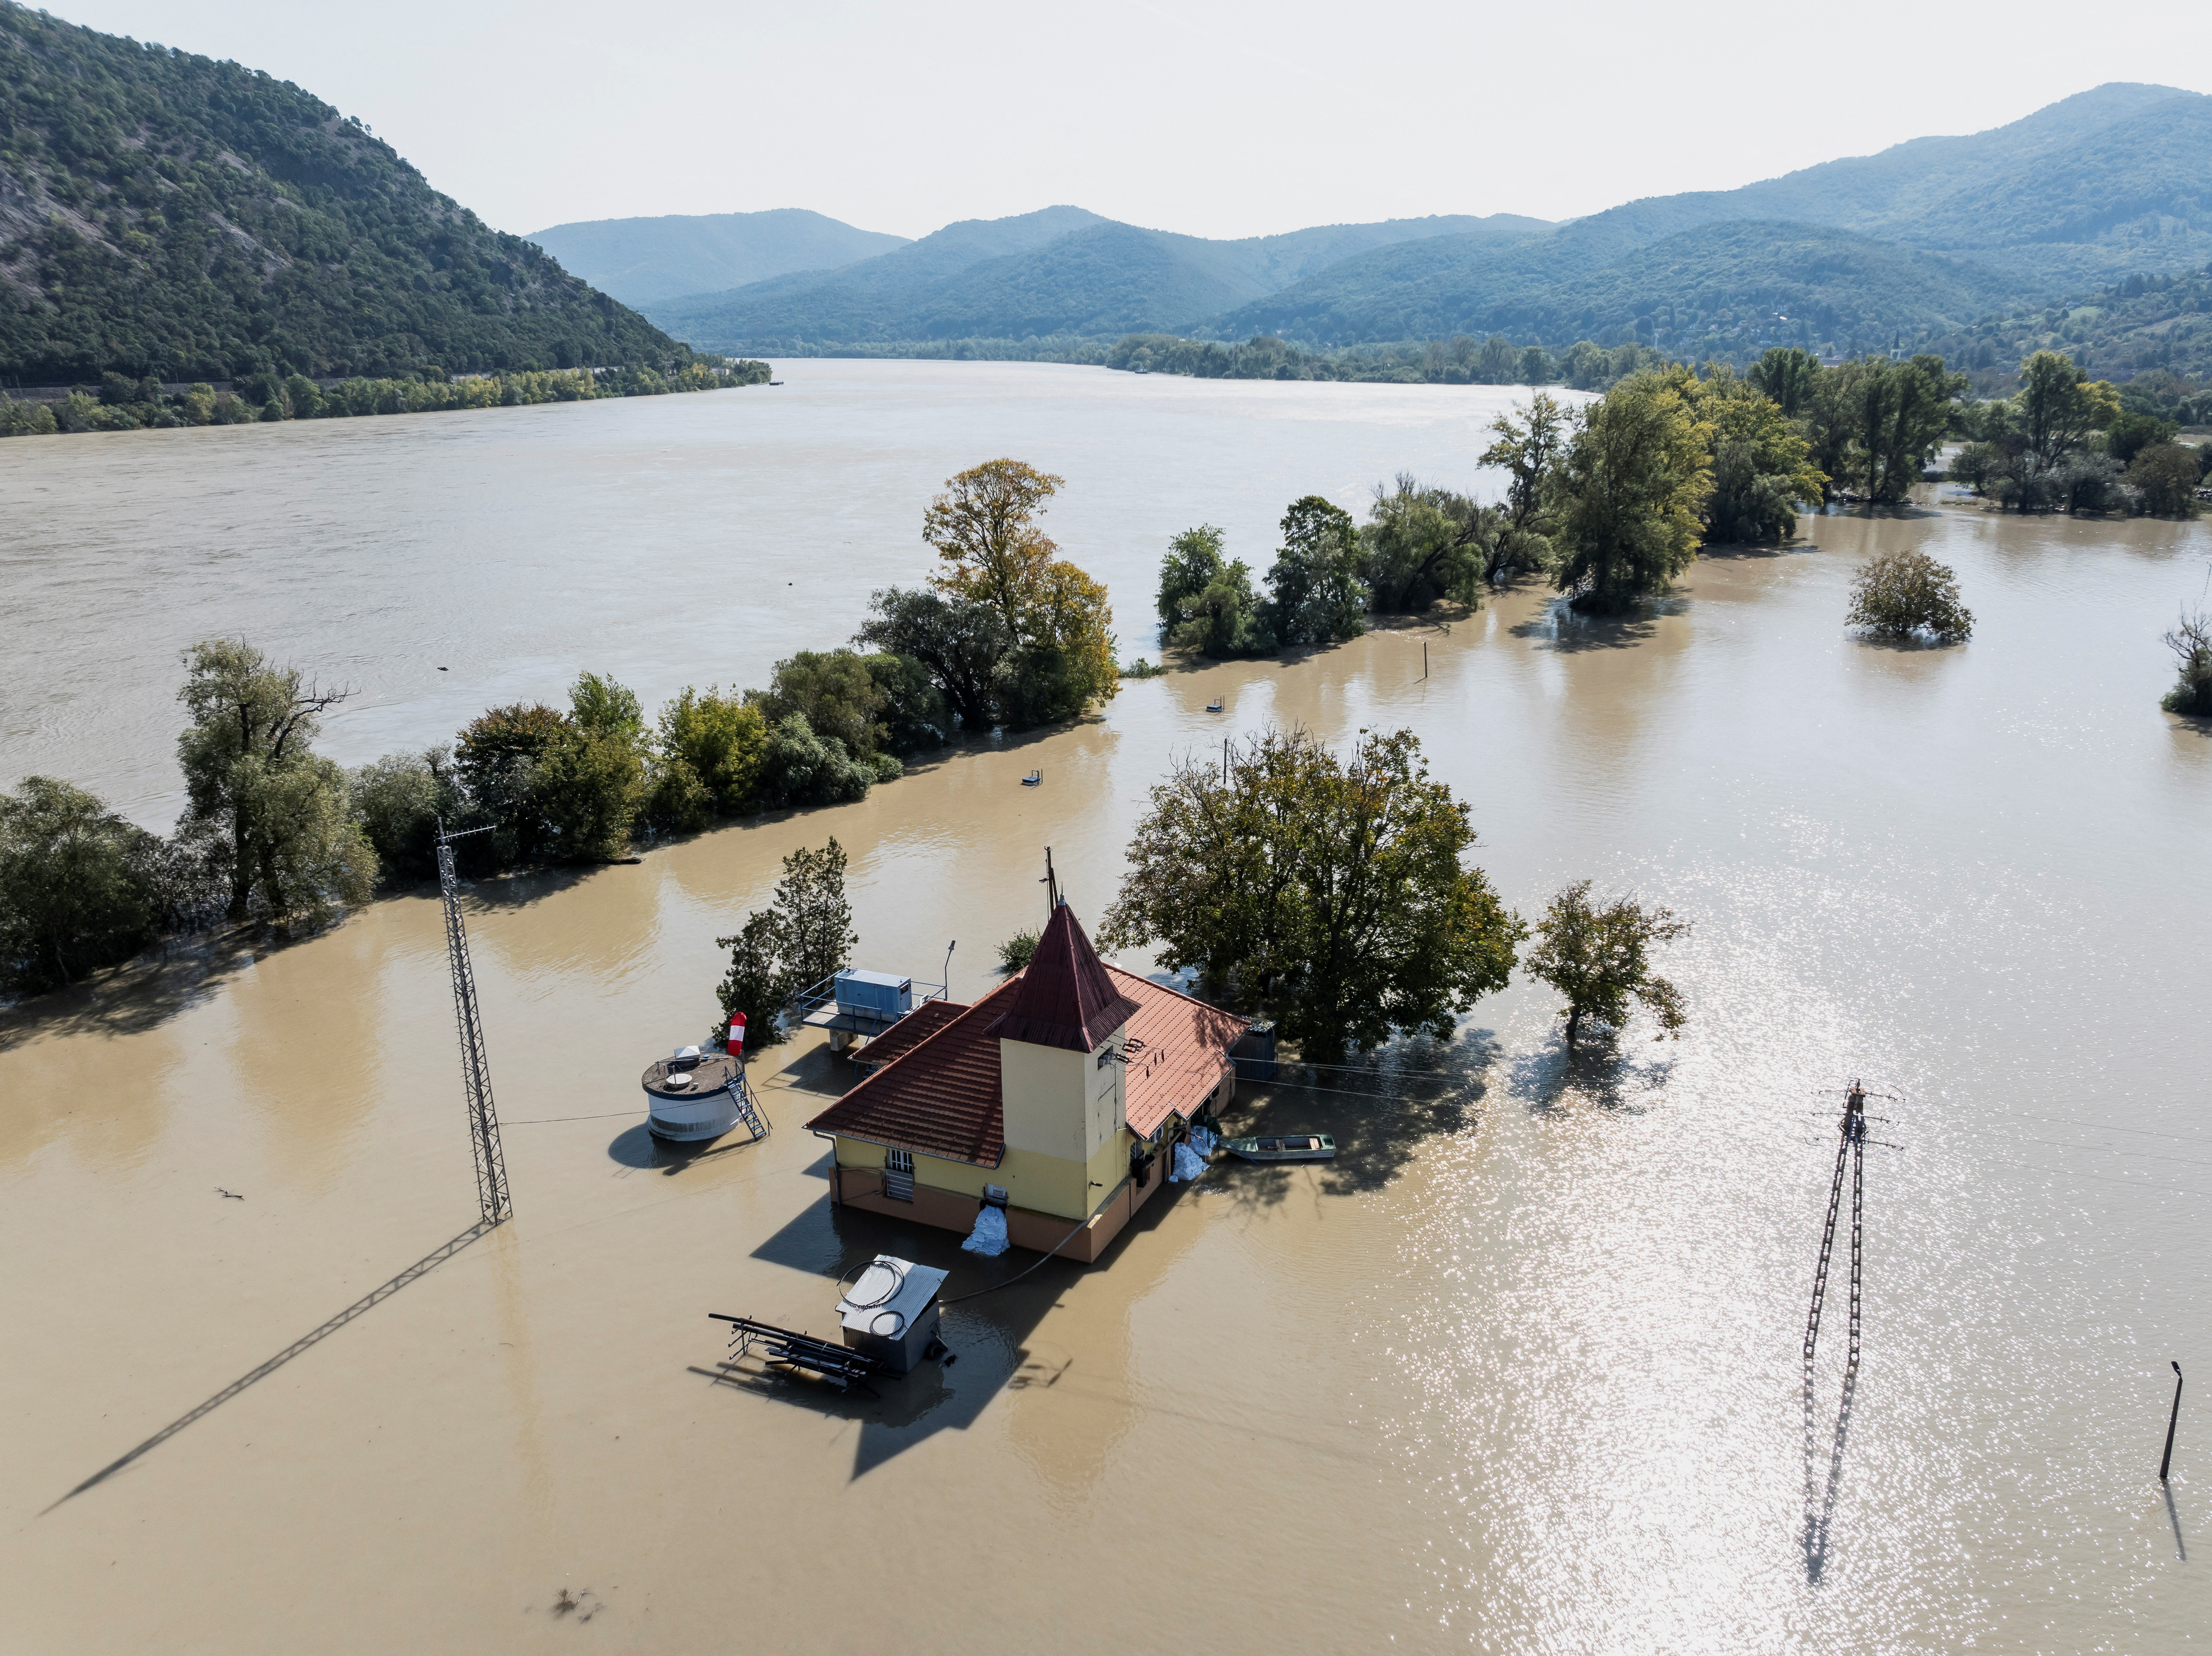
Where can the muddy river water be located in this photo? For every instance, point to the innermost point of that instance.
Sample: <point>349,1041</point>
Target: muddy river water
<point>1520,1371</point>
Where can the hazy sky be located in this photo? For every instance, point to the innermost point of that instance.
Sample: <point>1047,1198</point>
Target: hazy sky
<point>1206,116</point>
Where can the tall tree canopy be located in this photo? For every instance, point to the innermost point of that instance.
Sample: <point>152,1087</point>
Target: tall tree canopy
<point>272,814</point>
<point>1633,487</point>
<point>1329,885</point>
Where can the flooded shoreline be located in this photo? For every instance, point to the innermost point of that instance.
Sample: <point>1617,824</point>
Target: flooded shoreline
<point>1522,1365</point>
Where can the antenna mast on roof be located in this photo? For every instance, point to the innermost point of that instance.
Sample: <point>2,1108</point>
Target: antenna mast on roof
<point>1051,884</point>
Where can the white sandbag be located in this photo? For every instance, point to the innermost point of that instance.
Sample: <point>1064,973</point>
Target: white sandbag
<point>1187,1164</point>
<point>989,1236</point>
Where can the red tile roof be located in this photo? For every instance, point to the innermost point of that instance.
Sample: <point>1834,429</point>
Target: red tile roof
<point>1067,997</point>
<point>941,1094</point>
<point>1186,1052</point>
<point>910,1031</point>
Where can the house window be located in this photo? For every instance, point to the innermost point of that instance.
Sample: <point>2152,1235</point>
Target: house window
<point>898,1175</point>
<point>1106,1055</point>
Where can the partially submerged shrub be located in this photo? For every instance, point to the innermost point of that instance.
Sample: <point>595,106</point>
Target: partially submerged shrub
<point>2191,644</point>
<point>1014,953</point>
<point>1901,593</point>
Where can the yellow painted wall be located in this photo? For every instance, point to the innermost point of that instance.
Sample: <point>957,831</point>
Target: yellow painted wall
<point>1043,1184</point>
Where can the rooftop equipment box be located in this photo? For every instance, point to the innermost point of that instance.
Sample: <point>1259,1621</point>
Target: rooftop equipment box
<point>877,995</point>
<point>891,1312</point>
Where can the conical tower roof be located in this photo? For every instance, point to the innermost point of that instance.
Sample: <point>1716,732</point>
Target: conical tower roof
<point>1066,997</point>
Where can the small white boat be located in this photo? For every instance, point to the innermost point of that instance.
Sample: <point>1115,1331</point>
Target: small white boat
<point>689,1099</point>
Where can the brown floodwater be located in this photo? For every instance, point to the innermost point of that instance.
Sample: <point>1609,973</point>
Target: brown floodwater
<point>1519,1371</point>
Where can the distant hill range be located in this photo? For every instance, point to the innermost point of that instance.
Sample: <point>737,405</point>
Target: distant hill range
<point>640,261</point>
<point>165,214</point>
<point>1057,272</point>
<point>1909,245</point>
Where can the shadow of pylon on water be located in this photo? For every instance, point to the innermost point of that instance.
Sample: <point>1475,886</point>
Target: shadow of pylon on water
<point>1820,1502</point>
<point>314,1337</point>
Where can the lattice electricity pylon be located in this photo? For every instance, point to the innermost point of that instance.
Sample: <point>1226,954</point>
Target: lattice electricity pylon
<point>476,1066</point>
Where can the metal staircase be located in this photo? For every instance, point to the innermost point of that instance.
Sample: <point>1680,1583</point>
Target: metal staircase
<point>748,1110</point>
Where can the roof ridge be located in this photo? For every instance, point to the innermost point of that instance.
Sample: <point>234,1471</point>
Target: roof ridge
<point>943,1028</point>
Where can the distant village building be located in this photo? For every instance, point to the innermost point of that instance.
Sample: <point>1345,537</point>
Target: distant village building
<point>1058,1095</point>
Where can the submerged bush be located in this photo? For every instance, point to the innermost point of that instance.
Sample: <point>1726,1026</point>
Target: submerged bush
<point>1901,593</point>
<point>1014,954</point>
<point>79,886</point>
<point>2191,644</point>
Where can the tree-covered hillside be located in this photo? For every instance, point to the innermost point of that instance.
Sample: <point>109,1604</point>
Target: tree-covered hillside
<point>641,260</point>
<point>166,215</point>
<point>1091,277</point>
<point>1907,244</point>
<point>1713,290</point>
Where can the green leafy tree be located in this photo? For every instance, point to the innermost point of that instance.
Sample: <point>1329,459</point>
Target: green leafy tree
<point>1529,448</point>
<point>755,982</point>
<point>802,768</point>
<point>1223,617</point>
<point>1762,467</point>
<point>590,787</point>
<point>2166,475</point>
<point>1193,562</point>
<point>2058,407</point>
<point>1016,951</point>
<point>498,756</point>
<point>1900,593</point>
<point>400,800</point>
<point>2133,431</point>
<point>80,887</point>
<point>604,707</point>
<point>1632,488</point>
<point>960,641</point>
<point>1599,958</point>
<point>720,742</point>
<point>271,813</point>
<point>1423,543</point>
<point>818,935</point>
<point>1315,595</point>
<point>914,716</point>
<point>803,937</point>
<point>1786,374</point>
<point>1331,886</point>
<point>834,691</point>
<point>1061,658</point>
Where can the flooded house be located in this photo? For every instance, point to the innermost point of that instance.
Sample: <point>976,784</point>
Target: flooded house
<point>1058,1096</point>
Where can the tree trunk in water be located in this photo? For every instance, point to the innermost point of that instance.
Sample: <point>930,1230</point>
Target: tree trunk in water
<point>1574,1024</point>
<point>241,866</point>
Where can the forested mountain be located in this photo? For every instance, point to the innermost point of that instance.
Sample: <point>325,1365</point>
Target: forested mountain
<point>2100,185</point>
<point>641,260</point>
<point>165,213</point>
<point>1061,271</point>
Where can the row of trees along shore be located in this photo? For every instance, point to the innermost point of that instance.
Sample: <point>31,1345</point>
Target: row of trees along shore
<point>121,404</point>
<point>1005,634</point>
<point>1609,501</point>
<point>1612,499</point>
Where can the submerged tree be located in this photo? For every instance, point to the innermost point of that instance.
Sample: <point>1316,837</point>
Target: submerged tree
<point>1207,604</point>
<point>1762,466</point>
<point>1531,449</point>
<point>79,887</point>
<point>1423,543</point>
<point>803,936</point>
<point>1900,593</point>
<point>1634,481</point>
<point>1314,589</point>
<point>1058,657</point>
<point>1329,886</point>
<point>2191,643</point>
<point>1600,960</point>
<point>271,813</point>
